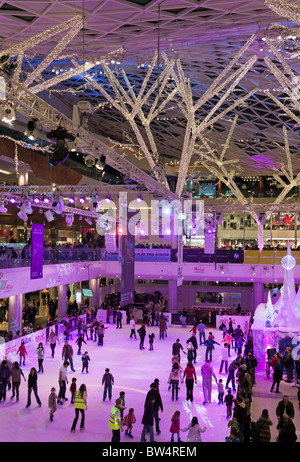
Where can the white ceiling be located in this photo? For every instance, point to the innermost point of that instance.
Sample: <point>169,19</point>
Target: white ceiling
<point>205,35</point>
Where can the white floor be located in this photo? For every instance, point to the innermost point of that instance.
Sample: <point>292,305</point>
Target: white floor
<point>134,370</point>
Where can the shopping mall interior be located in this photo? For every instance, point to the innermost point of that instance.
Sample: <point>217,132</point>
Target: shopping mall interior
<point>149,170</point>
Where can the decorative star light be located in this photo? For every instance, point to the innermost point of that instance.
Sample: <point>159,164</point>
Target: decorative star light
<point>288,262</point>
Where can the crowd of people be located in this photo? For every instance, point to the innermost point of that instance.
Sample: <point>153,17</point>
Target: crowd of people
<point>235,391</point>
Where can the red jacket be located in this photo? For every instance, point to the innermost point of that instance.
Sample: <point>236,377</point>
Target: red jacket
<point>190,373</point>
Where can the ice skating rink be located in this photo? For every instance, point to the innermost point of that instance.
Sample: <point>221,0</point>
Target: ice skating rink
<point>133,370</point>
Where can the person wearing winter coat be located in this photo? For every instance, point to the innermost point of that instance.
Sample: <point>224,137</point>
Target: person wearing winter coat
<point>4,379</point>
<point>148,420</point>
<point>240,413</point>
<point>207,373</point>
<point>288,363</point>
<point>162,328</point>
<point>158,405</point>
<point>194,431</point>
<point>277,376</point>
<point>263,425</point>
<point>286,431</point>
<point>193,341</point>
<point>174,378</point>
<point>142,333</point>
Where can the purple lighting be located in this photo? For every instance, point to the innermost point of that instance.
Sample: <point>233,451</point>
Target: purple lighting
<point>46,200</point>
<point>36,200</point>
<point>12,200</point>
<point>71,200</point>
<point>82,200</point>
<point>168,232</point>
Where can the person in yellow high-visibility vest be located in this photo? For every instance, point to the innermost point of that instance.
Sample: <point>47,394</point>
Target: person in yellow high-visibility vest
<point>115,422</point>
<point>80,405</point>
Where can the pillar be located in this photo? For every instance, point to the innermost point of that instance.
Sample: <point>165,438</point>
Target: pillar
<point>94,286</point>
<point>62,301</point>
<point>258,294</point>
<point>15,309</point>
<point>173,296</point>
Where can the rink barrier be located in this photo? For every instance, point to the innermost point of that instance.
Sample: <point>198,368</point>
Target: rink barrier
<point>31,341</point>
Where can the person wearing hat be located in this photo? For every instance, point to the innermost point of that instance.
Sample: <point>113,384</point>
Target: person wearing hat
<point>158,405</point>
<point>115,423</point>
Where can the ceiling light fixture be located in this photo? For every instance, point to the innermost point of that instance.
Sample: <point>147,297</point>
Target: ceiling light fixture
<point>60,136</point>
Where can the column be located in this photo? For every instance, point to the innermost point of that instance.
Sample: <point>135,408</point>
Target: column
<point>15,309</point>
<point>258,294</point>
<point>173,296</point>
<point>62,301</point>
<point>94,286</point>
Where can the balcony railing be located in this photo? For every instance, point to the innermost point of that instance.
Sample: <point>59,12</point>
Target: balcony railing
<point>15,258</point>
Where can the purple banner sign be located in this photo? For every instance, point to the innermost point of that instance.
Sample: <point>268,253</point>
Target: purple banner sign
<point>37,251</point>
<point>127,268</point>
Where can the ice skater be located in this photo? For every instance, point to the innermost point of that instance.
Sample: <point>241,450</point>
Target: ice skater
<point>40,354</point>
<point>129,420</point>
<point>142,333</point>
<point>79,342</point>
<point>85,362</point>
<point>151,341</point>
<point>52,402</point>
<point>175,426</point>
<point>32,386</point>
<point>80,406</point>
<point>107,381</point>
<point>22,352</point>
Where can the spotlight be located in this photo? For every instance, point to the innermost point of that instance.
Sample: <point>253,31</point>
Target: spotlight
<point>89,161</point>
<point>49,215</point>
<point>60,136</point>
<point>58,205</point>
<point>139,198</point>
<point>8,114</point>
<point>36,200</point>
<point>82,200</point>
<point>12,200</point>
<point>94,204</point>
<point>3,209</point>
<point>46,200</point>
<point>31,131</point>
<point>253,270</point>
<point>71,200</point>
<point>108,199</point>
<point>26,207</point>
<point>69,219</point>
<point>222,269</point>
<point>100,164</point>
<point>22,215</point>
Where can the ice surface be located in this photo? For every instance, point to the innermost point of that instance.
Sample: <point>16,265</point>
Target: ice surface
<point>134,370</point>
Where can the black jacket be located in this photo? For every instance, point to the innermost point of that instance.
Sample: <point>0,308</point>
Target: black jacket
<point>148,414</point>
<point>193,341</point>
<point>289,409</point>
<point>158,401</point>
